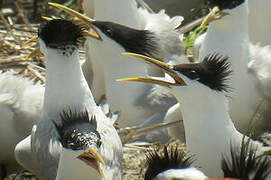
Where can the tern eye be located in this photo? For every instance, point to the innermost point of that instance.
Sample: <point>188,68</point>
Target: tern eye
<point>109,32</point>
<point>192,74</point>
<point>99,143</point>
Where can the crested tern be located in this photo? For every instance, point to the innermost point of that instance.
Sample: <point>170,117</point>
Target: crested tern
<point>65,87</point>
<point>173,164</point>
<point>132,102</point>
<point>244,163</point>
<point>162,26</point>
<point>79,158</point>
<point>230,36</point>
<point>200,89</point>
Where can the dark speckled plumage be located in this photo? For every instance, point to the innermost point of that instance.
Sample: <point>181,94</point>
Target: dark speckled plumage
<point>225,4</point>
<point>77,131</point>
<point>244,164</point>
<point>59,33</point>
<point>132,40</point>
<point>213,72</point>
<point>168,159</point>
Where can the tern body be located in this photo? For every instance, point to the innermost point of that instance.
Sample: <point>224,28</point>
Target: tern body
<point>160,25</point>
<point>64,89</point>
<point>229,36</point>
<point>209,130</point>
<point>20,107</point>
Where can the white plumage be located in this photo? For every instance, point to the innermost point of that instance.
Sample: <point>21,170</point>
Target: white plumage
<point>200,90</point>
<point>65,87</point>
<point>20,107</point>
<point>230,37</point>
<point>106,57</point>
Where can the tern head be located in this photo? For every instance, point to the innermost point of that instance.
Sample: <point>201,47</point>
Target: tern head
<point>204,78</point>
<point>225,4</point>
<point>80,139</point>
<point>129,39</point>
<point>60,35</point>
<point>244,163</point>
<point>126,38</point>
<point>172,164</point>
<point>168,164</point>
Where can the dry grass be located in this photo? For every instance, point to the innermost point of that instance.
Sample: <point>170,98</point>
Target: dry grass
<point>15,30</point>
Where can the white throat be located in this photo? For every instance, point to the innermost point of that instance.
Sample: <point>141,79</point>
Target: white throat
<point>65,83</point>
<point>71,168</point>
<point>209,129</point>
<point>229,37</point>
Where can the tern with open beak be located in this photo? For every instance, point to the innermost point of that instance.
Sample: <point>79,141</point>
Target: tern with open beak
<point>251,64</point>
<point>130,99</point>
<point>200,89</point>
<point>137,15</point>
<point>65,87</point>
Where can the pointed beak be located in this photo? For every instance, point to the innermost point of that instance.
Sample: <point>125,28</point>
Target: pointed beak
<point>88,21</point>
<point>93,159</point>
<point>162,66</point>
<point>214,15</point>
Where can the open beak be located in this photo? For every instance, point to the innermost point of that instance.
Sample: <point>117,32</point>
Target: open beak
<point>93,159</point>
<point>162,66</point>
<point>88,21</point>
<point>214,15</point>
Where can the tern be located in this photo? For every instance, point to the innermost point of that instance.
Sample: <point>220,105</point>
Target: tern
<point>79,158</point>
<point>200,89</point>
<point>65,87</point>
<point>20,106</point>
<point>163,28</point>
<point>130,99</point>
<point>244,163</point>
<point>229,36</point>
<point>173,164</point>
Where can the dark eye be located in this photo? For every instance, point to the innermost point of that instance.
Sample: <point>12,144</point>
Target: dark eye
<point>99,143</point>
<point>108,31</point>
<point>192,74</point>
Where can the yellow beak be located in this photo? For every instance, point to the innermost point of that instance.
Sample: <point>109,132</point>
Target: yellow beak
<point>93,159</point>
<point>162,66</point>
<point>82,17</point>
<point>214,15</point>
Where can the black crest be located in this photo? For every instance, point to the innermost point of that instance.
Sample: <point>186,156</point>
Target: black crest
<point>132,40</point>
<point>168,159</point>
<point>58,33</point>
<point>244,164</point>
<point>77,131</point>
<point>225,4</point>
<point>213,71</point>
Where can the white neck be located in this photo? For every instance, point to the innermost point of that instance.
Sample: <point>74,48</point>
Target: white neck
<point>118,11</point>
<point>122,96</point>
<point>65,83</point>
<point>229,37</point>
<point>70,168</point>
<point>208,129</point>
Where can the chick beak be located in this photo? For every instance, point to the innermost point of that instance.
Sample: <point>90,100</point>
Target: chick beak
<point>88,21</point>
<point>162,66</point>
<point>93,159</point>
<point>214,15</point>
